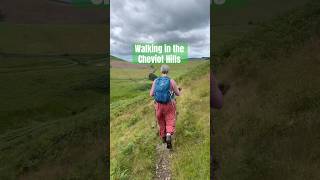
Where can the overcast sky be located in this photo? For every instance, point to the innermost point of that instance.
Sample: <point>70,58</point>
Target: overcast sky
<point>160,21</point>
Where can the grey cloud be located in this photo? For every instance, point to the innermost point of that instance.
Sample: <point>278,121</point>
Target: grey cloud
<point>160,21</point>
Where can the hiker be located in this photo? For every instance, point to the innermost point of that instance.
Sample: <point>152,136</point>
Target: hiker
<point>164,91</point>
<point>215,93</point>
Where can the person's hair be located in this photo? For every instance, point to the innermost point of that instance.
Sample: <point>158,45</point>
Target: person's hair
<point>164,69</point>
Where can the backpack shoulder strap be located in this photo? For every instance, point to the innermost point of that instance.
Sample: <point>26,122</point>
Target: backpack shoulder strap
<point>171,84</point>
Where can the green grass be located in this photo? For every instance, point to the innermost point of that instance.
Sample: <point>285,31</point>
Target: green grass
<point>54,39</point>
<point>230,24</point>
<point>52,117</point>
<point>133,128</point>
<point>130,82</point>
<point>191,158</point>
<point>268,127</point>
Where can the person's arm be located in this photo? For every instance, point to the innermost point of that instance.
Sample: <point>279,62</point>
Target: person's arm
<point>216,95</point>
<point>152,89</point>
<point>175,88</point>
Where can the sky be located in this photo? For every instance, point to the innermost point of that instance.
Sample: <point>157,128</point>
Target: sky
<point>149,21</point>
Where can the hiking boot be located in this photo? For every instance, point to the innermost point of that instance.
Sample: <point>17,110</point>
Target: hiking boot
<point>164,139</point>
<point>168,140</point>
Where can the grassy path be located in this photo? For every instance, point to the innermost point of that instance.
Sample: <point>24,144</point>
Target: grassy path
<point>163,164</point>
<point>189,158</point>
<point>134,138</point>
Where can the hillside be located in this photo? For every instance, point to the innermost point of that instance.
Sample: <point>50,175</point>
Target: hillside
<point>52,119</point>
<point>50,12</point>
<point>134,137</point>
<point>116,62</point>
<point>114,58</point>
<point>53,110</point>
<point>53,39</point>
<point>231,23</point>
<point>268,127</point>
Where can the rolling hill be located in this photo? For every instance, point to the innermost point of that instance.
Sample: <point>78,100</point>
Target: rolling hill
<point>268,127</point>
<point>134,138</point>
<point>51,12</point>
<point>53,110</point>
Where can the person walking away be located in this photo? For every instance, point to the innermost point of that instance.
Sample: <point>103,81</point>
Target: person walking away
<point>217,91</point>
<point>216,95</point>
<point>163,90</point>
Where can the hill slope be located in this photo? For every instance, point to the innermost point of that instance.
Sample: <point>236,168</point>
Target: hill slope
<point>134,136</point>
<point>50,12</point>
<point>53,110</point>
<point>269,126</point>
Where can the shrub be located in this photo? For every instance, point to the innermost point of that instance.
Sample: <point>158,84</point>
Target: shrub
<point>152,76</point>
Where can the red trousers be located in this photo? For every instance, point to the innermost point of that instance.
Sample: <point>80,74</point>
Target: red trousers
<point>166,116</point>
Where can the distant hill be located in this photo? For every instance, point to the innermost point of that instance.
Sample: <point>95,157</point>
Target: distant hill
<point>199,59</point>
<point>116,62</point>
<point>114,58</point>
<point>46,12</point>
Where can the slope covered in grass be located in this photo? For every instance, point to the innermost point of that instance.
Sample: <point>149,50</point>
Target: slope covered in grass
<point>53,38</point>
<point>53,110</point>
<point>269,125</point>
<point>52,120</point>
<point>191,156</point>
<point>134,135</point>
<point>229,23</point>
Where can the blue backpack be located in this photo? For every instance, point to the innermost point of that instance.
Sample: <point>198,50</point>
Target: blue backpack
<point>162,90</point>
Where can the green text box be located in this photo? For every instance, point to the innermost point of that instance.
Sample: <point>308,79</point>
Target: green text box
<point>160,53</point>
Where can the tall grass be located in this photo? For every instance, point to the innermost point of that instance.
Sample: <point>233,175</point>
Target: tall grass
<point>191,157</point>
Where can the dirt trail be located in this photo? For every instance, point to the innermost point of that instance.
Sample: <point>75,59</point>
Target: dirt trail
<point>164,155</point>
